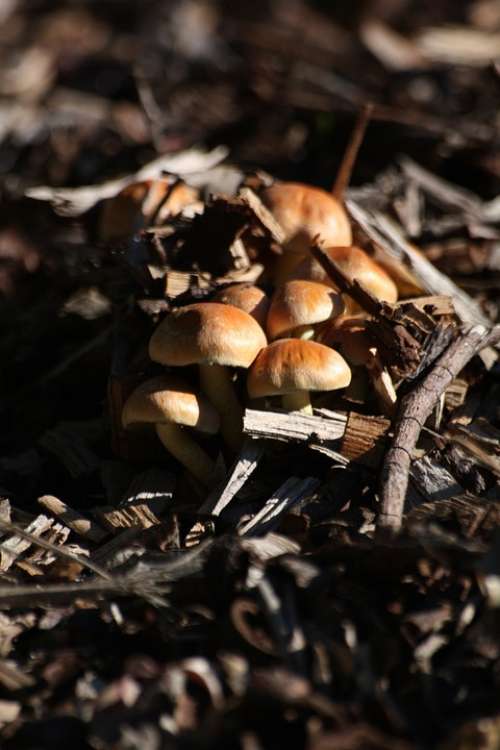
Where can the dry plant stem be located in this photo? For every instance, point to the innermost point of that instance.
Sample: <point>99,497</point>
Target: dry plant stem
<point>216,383</point>
<point>298,401</point>
<point>182,446</point>
<point>414,410</point>
<point>351,152</point>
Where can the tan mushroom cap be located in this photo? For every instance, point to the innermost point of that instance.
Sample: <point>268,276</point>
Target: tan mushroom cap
<point>246,297</point>
<point>291,365</point>
<point>350,337</point>
<point>168,398</point>
<point>303,212</point>
<point>301,303</point>
<point>207,333</point>
<point>356,264</point>
<point>136,203</point>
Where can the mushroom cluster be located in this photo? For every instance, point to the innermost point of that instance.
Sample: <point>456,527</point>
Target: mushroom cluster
<point>305,337</point>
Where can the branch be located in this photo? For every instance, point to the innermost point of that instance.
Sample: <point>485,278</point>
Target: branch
<point>414,410</point>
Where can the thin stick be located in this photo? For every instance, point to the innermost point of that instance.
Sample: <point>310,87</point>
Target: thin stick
<point>351,153</point>
<point>12,528</point>
<point>414,410</point>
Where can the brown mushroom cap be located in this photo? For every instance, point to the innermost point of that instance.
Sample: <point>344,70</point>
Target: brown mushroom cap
<point>350,337</point>
<point>356,264</point>
<point>168,398</point>
<point>207,332</point>
<point>136,203</point>
<point>246,297</point>
<point>301,303</point>
<point>290,365</point>
<point>303,212</point>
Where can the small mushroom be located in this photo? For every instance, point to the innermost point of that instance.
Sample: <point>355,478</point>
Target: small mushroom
<point>168,403</point>
<point>215,337</point>
<point>304,212</point>
<point>349,335</point>
<point>142,202</point>
<point>246,297</point>
<point>291,368</point>
<point>356,264</point>
<point>298,305</point>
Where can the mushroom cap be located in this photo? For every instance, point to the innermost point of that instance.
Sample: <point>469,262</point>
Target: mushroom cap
<point>303,212</point>
<point>246,297</point>
<point>290,365</point>
<point>136,203</point>
<point>350,336</point>
<point>356,264</point>
<point>301,303</point>
<point>207,333</point>
<point>168,398</point>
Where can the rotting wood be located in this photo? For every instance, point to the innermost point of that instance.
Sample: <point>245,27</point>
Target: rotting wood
<point>364,439</point>
<point>414,409</point>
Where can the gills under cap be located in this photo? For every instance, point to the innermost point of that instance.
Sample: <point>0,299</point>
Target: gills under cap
<point>169,399</point>
<point>207,333</point>
<point>290,365</point>
<point>301,303</point>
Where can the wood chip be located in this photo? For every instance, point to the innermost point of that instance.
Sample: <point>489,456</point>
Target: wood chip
<point>77,522</point>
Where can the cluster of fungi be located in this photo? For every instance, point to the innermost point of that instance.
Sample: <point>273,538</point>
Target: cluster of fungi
<point>305,337</point>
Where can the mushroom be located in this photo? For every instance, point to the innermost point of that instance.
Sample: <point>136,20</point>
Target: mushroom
<point>356,264</point>
<point>215,337</point>
<point>351,337</point>
<point>168,402</point>
<point>246,297</point>
<point>142,202</point>
<point>304,212</point>
<point>298,305</point>
<point>292,367</point>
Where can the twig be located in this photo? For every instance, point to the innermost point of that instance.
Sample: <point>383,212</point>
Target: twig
<point>350,155</point>
<point>77,522</point>
<point>414,410</point>
<point>353,288</point>
<point>12,528</point>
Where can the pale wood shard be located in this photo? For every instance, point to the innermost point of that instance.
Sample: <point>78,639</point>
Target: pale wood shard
<point>15,545</point>
<point>320,433</point>
<point>77,522</point>
<point>245,464</point>
<point>288,495</point>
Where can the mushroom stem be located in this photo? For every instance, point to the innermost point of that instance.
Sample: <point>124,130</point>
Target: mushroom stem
<point>181,445</point>
<point>298,401</point>
<point>306,333</point>
<point>216,383</point>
